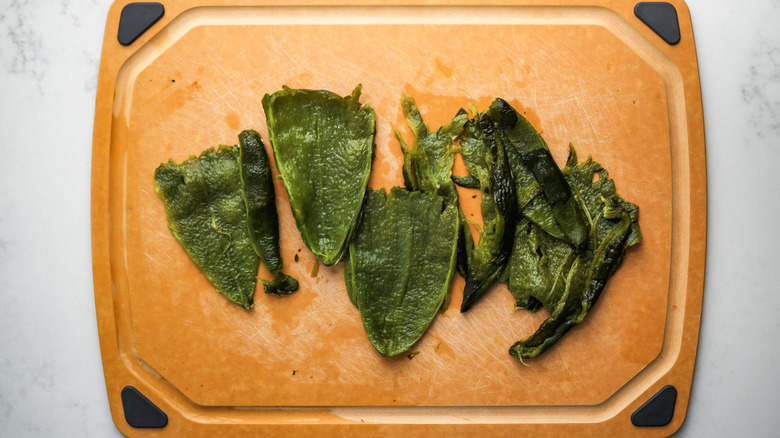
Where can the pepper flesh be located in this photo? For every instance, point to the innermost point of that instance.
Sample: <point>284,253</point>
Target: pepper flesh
<point>323,146</point>
<point>535,156</point>
<point>428,162</point>
<point>574,280</point>
<point>262,219</point>
<point>401,265</point>
<point>206,213</point>
<point>403,256</point>
<point>484,155</point>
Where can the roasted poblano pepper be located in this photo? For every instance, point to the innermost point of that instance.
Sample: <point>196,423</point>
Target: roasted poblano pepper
<point>403,256</point>
<point>401,265</point>
<point>483,152</point>
<point>204,204</point>
<point>323,146</point>
<point>262,220</point>
<point>428,163</point>
<point>536,269</point>
<point>535,156</point>
<point>571,232</point>
<point>547,270</point>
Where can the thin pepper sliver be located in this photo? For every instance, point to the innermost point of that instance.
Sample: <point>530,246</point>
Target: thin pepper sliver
<point>262,219</point>
<point>484,153</point>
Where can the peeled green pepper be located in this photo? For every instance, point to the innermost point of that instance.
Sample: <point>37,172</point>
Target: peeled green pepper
<point>403,256</point>
<point>204,204</point>
<point>401,265</point>
<point>323,146</point>
<point>428,162</point>
<point>572,282</point>
<point>262,220</point>
<point>484,154</point>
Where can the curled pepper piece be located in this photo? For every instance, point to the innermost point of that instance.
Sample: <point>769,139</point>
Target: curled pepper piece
<point>575,280</point>
<point>532,150</point>
<point>261,215</point>
<point>483,150</point>
<point>428,162</point>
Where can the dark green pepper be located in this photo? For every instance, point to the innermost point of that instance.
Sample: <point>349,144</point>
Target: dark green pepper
<point>483,149</point>
<point>536,270</point>
<point>262,220</point>
<point>575,280</point>
<point>535,155</point>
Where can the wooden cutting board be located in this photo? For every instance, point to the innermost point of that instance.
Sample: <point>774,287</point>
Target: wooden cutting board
<point>586,72</point>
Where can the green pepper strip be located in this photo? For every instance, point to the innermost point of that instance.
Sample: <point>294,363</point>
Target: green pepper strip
<point>262,219</point>
<point>495,244</point>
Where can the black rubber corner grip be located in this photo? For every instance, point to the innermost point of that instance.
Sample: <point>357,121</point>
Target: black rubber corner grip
<point>658,411</point>
<point>661,17</point>
<point>140,412</point>
<point>136,18</point>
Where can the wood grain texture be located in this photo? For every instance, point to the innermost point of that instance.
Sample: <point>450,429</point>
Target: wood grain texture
<point>589,73</point>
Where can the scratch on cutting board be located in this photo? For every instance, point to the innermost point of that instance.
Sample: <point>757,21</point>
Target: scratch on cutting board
<point>566,369</point>
<point>622,118</point>
<point>432,385</point>
<point>593,129</point>
<point>574,377</point>
<point>149,256</point>
<point>472,389</point>
<point>164,234</point>
<point>278,48</point>
<point>494,353</point>
<point>255,332</point>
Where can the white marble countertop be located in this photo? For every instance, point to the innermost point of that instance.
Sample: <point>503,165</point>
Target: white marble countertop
<point>51,377</point>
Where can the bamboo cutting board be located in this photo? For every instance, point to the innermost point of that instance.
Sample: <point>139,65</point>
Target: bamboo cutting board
<point>586,72</point>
